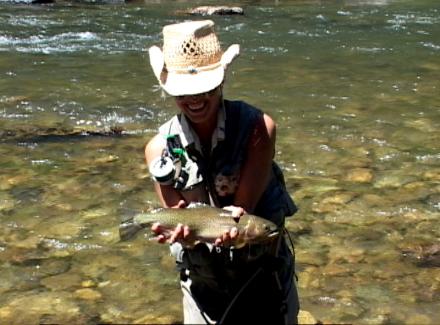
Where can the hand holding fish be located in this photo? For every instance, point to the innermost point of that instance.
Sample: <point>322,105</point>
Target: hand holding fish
<point>228,236</point>
<point>182,232</point>
<point>164,235</point>
<point>229,226</point>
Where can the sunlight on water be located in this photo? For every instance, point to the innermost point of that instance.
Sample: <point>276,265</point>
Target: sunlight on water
<point>353,86</point>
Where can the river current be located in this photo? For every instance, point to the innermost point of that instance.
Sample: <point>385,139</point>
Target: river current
<point>354,89</point>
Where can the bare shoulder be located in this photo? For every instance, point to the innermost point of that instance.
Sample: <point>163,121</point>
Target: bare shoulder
<point>270,124</point>
<point>265,129</point>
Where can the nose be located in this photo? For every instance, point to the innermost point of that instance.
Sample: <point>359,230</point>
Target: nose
<point>196,97</point>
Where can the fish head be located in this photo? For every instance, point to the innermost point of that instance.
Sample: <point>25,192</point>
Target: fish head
<point>259,230</point>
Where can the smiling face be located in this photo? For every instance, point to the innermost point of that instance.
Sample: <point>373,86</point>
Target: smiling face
<point>201,109</point>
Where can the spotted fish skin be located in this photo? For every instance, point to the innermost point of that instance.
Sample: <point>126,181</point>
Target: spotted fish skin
<point>205,223</point>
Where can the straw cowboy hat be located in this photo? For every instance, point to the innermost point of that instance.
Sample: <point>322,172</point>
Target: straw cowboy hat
<point>191,60</point>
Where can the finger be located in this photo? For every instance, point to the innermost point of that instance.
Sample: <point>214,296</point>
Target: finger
<point>186,231</point>
<point>234,233</point>
<point>238,212</point>
<point>177,233</point>
<point>156,228</point>
<point>161,239</point>
<point>218,242</point>
<point>226,238</point>
<point>179,205</point>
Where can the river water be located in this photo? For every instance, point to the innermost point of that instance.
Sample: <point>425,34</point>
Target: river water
<point>354,88</point>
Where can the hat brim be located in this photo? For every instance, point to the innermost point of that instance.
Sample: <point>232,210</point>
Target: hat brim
<point>180,83</point>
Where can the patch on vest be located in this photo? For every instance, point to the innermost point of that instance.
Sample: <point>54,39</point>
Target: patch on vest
<point>226,184</point>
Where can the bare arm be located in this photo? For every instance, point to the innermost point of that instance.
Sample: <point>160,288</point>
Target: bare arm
<point>255,173</point>
<point>168,196</point>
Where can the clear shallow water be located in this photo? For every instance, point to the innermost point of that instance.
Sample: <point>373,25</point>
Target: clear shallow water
<point>354,88</point>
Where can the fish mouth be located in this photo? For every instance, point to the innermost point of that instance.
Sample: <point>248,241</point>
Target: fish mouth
<point>273,233</point>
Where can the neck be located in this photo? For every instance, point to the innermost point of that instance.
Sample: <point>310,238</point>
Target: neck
<point>205,130</point>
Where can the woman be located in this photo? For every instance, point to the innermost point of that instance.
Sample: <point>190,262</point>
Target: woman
<point>219,152</point>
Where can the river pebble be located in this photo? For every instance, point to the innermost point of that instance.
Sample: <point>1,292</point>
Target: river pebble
<point>17,278</point>
<point>377,319</point>
<point>57,307</point>
<point>417,319</point>
<point>88,284</point>
<point>341,254</point>
<point>115,314</point>
<point>97,265</point>
<point>67,229</point>
<point>106,159</point>
<point>88,294</point>
<point>53,266</point>
<point>309,278</point>
<point>64,281</point>
<point>6,202</point>
<point>95,213</point>
<point>432,175</point>
<point>332,202</point>
<point>433,201</point>
<point>157,319</point>
<point>422,124</point>
<point>305,317</point>
<point>335,270</point>
<point>360,175</point>
<point>389,180</point>
<point>32,241</point>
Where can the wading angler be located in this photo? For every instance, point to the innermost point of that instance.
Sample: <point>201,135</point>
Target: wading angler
<point>220,153</point>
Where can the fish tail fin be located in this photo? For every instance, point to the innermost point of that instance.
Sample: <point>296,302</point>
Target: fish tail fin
<point>128,229</point>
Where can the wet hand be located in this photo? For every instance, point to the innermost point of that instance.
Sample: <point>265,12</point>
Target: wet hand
<point>228,237</point>
<point>163,235</point>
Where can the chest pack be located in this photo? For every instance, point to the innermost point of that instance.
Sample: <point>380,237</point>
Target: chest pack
<point>168,169</point>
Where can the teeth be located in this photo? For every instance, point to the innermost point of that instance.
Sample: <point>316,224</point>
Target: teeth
<point>195,106</point>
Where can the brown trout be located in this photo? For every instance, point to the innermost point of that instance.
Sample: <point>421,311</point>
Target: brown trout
<point>205,223</point>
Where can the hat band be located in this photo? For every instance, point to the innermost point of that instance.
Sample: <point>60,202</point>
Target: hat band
<point>194,70</point>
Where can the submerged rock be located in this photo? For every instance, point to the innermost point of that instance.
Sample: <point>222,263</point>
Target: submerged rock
<point>152,319</point>
<point>305,317</point>
<point>433,201</point>
<point>54,307</point>
<point>47,134</point>
<point>432,175</point>
<point>88,294</point>
<point>63,281</point>
<point>423,255</point>
<point>6,204</point>
<point>360,175</point>
<point>333,201</point>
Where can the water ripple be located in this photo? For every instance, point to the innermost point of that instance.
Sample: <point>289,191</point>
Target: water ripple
<point>431,45</point>
<point>74,41</point>
<point>54,243</point>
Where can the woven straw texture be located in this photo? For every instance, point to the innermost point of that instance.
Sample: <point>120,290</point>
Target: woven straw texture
<point>191,44</point>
